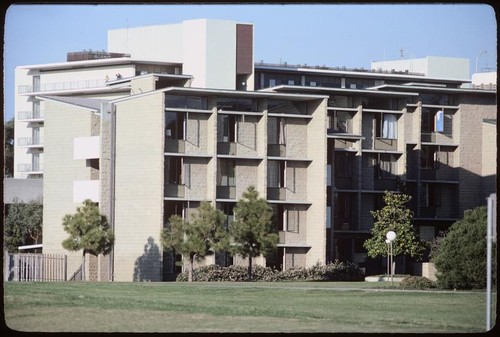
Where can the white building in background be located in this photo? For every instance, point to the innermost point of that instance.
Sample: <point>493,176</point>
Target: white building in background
<point>430,66</point>
<point>485,80</point>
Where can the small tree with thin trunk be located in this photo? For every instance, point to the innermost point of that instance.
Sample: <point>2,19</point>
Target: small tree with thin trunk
<point>88,231</point>
<point>394,216</point>
<point>195,239</point>
<point>251,232</point>
<point>23,220</point>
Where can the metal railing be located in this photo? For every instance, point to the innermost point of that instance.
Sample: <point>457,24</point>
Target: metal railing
<point>62,86</point>
<point>39,267</point>
<point>26,115</point>
<point>28,141</point>
<point>29,168</point>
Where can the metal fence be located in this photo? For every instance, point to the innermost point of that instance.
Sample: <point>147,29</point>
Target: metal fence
<point>38,267</point>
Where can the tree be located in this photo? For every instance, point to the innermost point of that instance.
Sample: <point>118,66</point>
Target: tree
<point>195,239</point>
<point>460,256</point>
<point>88,231</point>
<point>394,216</point>
<point>22,221</point>
<point>9,148</point>
<point>252,232</point>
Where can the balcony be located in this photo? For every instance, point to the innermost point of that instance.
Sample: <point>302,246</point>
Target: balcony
<point>437,138</point>
<point>276,193</point>
<point>86,147</point>
<point>175,145</point>
<point>385,144</point>
<point>226,192</point>
<point>226,148</point>
<point>29,168</point>
<point>291,239</point>
<point>62,86</point>
<point>30,116</point>
<point>30,142</point>
<point>175,191</point>
<point>276,150</point>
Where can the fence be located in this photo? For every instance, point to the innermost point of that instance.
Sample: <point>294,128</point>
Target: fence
<point>39,267</point>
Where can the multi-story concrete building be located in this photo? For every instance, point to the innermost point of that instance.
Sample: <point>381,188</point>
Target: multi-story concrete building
<point>151,130</point>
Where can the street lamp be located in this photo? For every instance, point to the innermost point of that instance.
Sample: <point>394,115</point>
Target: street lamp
<point>391,236</point>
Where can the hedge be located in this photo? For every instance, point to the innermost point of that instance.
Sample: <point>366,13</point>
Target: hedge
<point>337,271</point>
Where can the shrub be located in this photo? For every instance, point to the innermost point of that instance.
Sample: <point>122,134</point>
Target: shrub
<point>460,257</point>
<point>417,282</point>
<point>337,271</point>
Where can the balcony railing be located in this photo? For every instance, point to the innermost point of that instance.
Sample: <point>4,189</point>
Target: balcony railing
<point>226,192</point>
<point>28,141</point>
<point>175,145</point>
<point>227,148</point>
<point>276,150</point>
<point>276,193</point>
<point>61,86</point>
<point>175,190</point>
<point>386,144</point>
<point>27,168</point>
<point>28,115</point>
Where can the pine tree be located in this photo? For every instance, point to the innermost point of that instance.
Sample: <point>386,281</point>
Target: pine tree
<point>395,216</point>
<point>195,239</point>
<point>252,232</point>
<point>89,231</point>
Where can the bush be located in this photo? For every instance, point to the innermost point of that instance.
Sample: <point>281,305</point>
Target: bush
<point>337,271</point>
<point>460,257</point>
<point>416,282</point>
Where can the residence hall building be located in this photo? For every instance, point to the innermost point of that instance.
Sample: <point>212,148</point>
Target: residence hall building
<point>148,132</point>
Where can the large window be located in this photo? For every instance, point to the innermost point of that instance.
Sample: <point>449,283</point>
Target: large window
<point>237,104</point>
<point>386,166</point>
<point>276,131</point>
<point>386,126</point>
<point>344,164</point>
<point>175,125</point>
<point>430,195</point>
<point>226,172</point>
<point>275,173</point>
<point>227,128</point>
<point>185,102</point>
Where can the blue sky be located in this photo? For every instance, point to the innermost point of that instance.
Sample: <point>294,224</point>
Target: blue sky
<point>327,34</point>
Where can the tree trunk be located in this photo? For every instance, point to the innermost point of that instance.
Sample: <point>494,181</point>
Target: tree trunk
<point>83,265</point>
<point>190,268</point>
<point>249,268</point>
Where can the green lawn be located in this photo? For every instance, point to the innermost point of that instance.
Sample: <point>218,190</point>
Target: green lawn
<point>238,307</point>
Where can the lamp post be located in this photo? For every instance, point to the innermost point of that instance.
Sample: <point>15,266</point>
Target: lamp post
<point>391,236</point>
<point>388,254</point>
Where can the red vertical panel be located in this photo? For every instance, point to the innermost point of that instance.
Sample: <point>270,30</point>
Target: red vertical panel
<point>244,49</point>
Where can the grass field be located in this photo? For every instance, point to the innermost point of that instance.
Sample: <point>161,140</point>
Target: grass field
<point>238,307</point>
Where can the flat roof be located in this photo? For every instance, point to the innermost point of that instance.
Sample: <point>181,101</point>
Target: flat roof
<point>92,63</point>
<point>358,73</point>
<point>226,92</point>
<point>329,90</point>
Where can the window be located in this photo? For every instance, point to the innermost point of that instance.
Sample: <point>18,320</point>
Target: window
<point>389,127</point>
<point>173,170</point>
<point>386,166</point>
<point>343,164</point>
<point>292,219</point>
<point>278,217</point>
<point>36,83</point>
<point>36,109</point>
<point>237,104</point>
<point>175,125</point>
<point>186,102</point>
<point>226,172</point>
<point>428,156</point>
<point>275,173</point>
<point>276,131</point>
<point>227,128</point>
<point>430,195</point>
<point>342,205</point>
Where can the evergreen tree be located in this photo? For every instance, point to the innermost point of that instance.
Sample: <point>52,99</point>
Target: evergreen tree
<point>460,256</point>
<point>22,221</point>
<point>252,232</point>
<point>9,148</point>
<point>198,238</point>
<point>394,216</point>
<point>89,231</point>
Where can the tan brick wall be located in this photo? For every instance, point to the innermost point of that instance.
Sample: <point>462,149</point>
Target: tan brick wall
<point>139,188</point>
<point>62,124</point>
